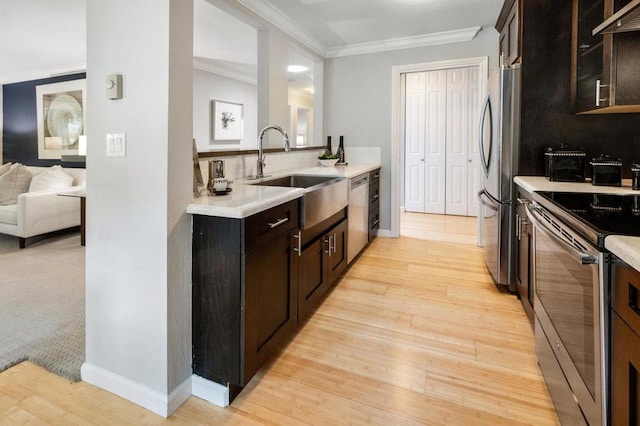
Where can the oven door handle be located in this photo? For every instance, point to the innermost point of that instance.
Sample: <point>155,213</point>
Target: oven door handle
<point>584,258</point>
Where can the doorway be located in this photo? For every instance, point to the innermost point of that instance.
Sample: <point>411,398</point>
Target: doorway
<point>398,169</point>
<point>442,164</point>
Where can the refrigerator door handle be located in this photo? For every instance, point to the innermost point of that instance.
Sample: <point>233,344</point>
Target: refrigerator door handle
<point>486,158</point>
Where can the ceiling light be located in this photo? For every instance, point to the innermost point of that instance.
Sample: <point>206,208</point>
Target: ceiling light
<point>297,68</point>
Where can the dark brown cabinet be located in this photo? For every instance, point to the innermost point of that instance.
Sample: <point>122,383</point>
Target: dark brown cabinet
<point>244,291</point>
<point>508,25</point>
<point>625,346</point>
<point>524,253</point>
<point>374,202</point>
<point>604,66</point>
<point>319,265</point>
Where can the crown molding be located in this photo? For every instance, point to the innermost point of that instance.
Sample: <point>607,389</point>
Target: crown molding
<point>274,16</point>
<point>455,36</point>
<point>225,71</point>
<point>41,74</point>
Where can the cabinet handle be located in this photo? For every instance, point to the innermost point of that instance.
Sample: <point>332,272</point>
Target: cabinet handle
<point>376,196</point>
<point>633,299</point>
<point>375,222</point>
<point>298,237</point>
<point>328,241</point>
<point>278,222</point>
<point>598,99</point>
<point>334,243</point>
<point>518,227</point>
<point>377,175</point>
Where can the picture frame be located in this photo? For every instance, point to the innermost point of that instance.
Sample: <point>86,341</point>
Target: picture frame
<point>60,117</point>
<point>226,121</point>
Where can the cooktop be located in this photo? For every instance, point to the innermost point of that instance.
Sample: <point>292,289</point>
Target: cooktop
<point>604,214</point>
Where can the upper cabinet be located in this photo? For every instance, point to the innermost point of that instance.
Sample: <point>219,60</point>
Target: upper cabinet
<point>508,25</point>
<point>604,64</point>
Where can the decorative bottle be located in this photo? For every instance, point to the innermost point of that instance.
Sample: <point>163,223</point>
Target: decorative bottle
<point>340,152</point>
<point>329,149</point>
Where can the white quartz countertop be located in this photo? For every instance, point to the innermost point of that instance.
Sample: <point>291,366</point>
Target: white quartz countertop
<point>246,199</point>
<point>541,183</point>
<point>625,247</point>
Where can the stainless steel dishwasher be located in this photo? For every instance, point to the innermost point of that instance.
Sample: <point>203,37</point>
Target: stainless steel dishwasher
<point>358,215</point>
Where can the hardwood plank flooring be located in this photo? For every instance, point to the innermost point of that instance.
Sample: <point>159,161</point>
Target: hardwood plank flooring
<point>414,333</point>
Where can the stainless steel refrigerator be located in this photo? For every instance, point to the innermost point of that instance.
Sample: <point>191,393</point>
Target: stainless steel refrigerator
<point>499,140</point>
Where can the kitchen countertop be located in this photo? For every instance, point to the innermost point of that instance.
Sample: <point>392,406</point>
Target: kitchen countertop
<point>246,199</point>
<point>541,183</point>
<point>625,247</point>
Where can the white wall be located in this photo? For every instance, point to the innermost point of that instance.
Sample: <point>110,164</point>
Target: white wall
<point>138,255</point>
<point>207,87</point>
<point>357,100</point>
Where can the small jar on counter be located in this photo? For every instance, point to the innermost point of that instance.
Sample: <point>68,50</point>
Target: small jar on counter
<point>635,176</point>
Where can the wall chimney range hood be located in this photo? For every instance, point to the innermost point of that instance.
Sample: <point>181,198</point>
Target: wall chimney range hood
<point>626,19</point>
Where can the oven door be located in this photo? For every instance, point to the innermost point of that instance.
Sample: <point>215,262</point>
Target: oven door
<point>568,295</point>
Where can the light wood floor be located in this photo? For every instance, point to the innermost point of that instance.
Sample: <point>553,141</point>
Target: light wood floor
<point>414,333</point>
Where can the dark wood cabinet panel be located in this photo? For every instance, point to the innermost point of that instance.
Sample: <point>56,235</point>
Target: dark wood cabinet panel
<point>508,25</point>
<point>604,77</point>
<point>374,202</point>
<point>312,282</point>
<point>625,345</point>
<point>269,302</point>
<point>320,264</point>
<point>217,297</point>
<point>524,254</point>
<point>244,290</point>
<point>625,375</point>
<point>337,253</point>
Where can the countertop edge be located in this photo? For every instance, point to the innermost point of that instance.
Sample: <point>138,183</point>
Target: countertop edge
<point>625,247</point>
<point>211,205</point>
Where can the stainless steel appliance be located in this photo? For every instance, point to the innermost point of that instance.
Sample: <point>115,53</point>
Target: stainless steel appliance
<point>358,231</point>
<point>571,299</point>
<point>499,139</point>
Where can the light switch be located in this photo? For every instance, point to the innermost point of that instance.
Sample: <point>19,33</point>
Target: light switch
<point>116,145</point>
<point>113,84</point>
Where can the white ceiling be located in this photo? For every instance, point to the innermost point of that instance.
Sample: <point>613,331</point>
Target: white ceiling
<point>46,37</point>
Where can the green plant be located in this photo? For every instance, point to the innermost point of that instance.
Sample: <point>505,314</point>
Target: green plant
<point>327,156</point>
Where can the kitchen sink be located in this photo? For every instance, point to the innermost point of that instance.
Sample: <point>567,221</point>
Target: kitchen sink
<point>324,195</point>
<point>298,181</point>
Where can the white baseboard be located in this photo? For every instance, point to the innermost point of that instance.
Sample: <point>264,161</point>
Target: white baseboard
<point>385,233</point>
<point>137,393</point>
<point>210,391</point>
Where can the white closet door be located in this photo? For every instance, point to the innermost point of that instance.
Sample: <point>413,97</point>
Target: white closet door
<point>436,131</point>
<point>415,122</point>
<point>474,170</point>
<point>457,141</point>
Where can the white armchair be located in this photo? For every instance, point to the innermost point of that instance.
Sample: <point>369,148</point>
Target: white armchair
<point>41,212</point>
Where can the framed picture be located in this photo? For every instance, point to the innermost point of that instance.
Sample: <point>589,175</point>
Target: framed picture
<point>61,121</point>
<point>226,121</point>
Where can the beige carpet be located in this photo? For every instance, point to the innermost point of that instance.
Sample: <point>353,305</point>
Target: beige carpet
<point>42,303</point>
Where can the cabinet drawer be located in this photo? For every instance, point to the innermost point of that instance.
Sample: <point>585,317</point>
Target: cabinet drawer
<point>374,195</point>
<point>271,223</point>
<point>374,219</point>
<point>625,373</point>
<point>626,295</point>
<point>374,177</point>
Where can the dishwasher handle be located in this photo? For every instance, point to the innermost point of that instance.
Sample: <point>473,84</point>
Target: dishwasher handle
<point>359,181</point>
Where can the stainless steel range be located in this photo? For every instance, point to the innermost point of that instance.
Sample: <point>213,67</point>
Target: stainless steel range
<point>571,295</point>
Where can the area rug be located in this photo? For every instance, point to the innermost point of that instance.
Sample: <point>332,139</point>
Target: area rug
<point>42,303</point>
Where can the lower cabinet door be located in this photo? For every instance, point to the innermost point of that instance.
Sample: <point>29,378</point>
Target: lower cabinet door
<point>268,302</point>
<point>337,256</point>
<point>625,374</point>
<point>311,277</point>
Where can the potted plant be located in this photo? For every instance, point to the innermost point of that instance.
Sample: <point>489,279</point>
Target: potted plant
<point>327,159</point>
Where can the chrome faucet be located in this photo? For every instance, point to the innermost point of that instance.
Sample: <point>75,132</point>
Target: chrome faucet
<point>285,137</point>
